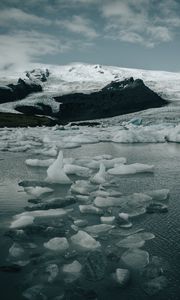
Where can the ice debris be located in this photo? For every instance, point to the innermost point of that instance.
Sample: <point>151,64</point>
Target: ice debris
<point>56,173</point>
<point>84,241</point>
<point>57,244</point>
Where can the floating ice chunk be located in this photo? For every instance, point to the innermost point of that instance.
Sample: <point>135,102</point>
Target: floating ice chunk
<point>75,267</point>
<point>110,163</point>
<point>100,177</point>
<point>122,276</point>
<point>37,191</point>
<point>16,250</point>
<point>27,218</point>
<point>84,241</point>
<point>107,202</point>
<point>53,271</point>
<point>70,145</point>
<point>57,244</point>
<point>158,195</point>
<point>47,152</point>
<point>98,229</point>
<point>103,156</point>
<point>22,221</point>
<point>80,223</point>
<point>39,162</point>
<point>82,199</point>
<point>82,187</point>
<point>130,169</point>
<point>124,216</point>
<point>135,258</point>
<point>102,193</point>
<point>55,173</point>
<point>108,220</point>
<point>19,148</point>
<point>82,139</point>
<point>90,209</point>
<point>77,170</point>
<point>132,241</point>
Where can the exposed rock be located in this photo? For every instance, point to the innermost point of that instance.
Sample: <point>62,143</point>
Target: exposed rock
<point>13,92</point>
<point>117,98</point>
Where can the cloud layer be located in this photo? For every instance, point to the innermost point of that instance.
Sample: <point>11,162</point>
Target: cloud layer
<point>32,29</point>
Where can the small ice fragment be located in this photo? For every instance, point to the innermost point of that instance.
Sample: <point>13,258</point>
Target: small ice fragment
<point>124,216</point>
<point>108,220</point>
<point>16,250</point>
<point>55,173</point>
<point>158,195</point>
<point>135,258</point>
<point>53,271</point>
<point>80,223</point>
<point>98,229</point>
<point>22,221</point>
<point>57,244</point>
<point>82,187</point>
<point>84,241</point>
<point>130,169</point>
<point>37,191</point>
<point>77,170</point>
<point>90,209</point>
<point>100,177</point>
<point>39,162</point>
<point>74,267</point>
<point>122,276</point>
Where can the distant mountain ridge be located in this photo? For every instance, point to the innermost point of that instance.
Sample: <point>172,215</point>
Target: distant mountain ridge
<point>87,79</point>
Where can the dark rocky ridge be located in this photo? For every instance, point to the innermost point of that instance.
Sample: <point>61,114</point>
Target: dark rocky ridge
<point>20,120</point>
<point>22,89</point>
<point>117,98</point>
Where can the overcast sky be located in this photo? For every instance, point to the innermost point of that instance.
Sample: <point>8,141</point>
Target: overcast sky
<point>128,33</point>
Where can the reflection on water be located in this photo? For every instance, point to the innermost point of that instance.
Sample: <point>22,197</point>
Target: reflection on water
<point>165,246</point>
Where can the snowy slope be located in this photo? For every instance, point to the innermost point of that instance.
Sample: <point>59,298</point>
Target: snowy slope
<point>86,78</point>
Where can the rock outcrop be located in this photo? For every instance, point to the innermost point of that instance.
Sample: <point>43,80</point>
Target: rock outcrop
<point>23,88</point>
<point>117,98</point>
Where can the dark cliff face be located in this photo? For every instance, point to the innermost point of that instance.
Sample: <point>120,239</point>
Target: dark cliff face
<point>116,98</point>
<point>22,89</point>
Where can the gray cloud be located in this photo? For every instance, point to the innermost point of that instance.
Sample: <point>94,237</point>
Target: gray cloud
<point>21,47</point>
<point>79,25</point>
<point>138,22</point>
<point>15,15</point>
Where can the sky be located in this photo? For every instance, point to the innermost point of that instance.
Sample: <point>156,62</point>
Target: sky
<point>141,34</point>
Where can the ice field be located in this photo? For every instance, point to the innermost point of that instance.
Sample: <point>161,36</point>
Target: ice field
<point>90,213</point>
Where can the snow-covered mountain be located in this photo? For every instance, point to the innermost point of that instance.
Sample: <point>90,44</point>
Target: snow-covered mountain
<point>87,78</point>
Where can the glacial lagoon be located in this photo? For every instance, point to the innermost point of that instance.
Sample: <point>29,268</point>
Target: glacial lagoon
<point>32,270</point>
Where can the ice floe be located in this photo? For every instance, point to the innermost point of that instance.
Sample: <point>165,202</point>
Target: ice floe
<point>130,169</point>
<point>135,258</point>
<point>90,209</point>
<point>82,187</point>
<point>84,241</point>
<point>57,244</point>
<point>37,191</point>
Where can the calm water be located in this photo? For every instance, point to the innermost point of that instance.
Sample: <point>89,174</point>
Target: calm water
<point>166,227</point>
